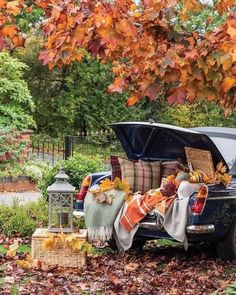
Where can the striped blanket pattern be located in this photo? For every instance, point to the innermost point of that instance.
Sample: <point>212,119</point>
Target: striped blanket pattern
<point>141,205</point>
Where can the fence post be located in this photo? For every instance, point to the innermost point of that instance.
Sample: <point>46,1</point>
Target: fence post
<point>68,146</point>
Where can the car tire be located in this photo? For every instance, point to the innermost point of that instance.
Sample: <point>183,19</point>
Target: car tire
<point>137,244</point>
<point>226,249</point>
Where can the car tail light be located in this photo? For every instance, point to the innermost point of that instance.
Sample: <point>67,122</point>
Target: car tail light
<point>198,205</point>
<point>82,193</point>
<point>200,200</point>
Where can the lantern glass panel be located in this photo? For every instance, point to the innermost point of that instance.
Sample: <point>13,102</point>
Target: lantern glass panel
<point>60,212</point>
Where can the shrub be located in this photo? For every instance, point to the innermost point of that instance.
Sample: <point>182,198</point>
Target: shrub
<point>23,219</point>
<point>12,147</point>
<point>20,223</point>
<point>77,167</point>
<point>16,103</point>
<point>34,170</point>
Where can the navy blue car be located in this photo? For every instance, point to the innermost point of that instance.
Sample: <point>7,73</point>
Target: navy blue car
<point>212,221</point>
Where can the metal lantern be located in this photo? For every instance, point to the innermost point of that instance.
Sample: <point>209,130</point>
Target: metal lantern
<point>61,196</point>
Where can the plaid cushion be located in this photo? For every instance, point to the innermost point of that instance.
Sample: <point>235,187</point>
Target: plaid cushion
<point>170,168</point>
<point>141,175</point>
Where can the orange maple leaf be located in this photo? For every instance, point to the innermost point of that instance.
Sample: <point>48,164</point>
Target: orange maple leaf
<point>178,95</point>
<point>9,31</point>
<point>153,90</point>
<point>223,5</point>
<point>127,28</point>
<point>13,7</point>
<point>132,100</point>
<point>118,85</point>
<point>228,83</point>
<point>3,3</point>
<point>231,30</point>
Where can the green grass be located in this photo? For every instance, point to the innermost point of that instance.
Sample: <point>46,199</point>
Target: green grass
<point>164,242</point>
<point>22,248</point>
<point>229,270</point>
<point>103,251</point>
<point>14,290</point>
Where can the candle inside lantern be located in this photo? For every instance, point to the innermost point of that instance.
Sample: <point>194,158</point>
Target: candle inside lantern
<point>62,218</point>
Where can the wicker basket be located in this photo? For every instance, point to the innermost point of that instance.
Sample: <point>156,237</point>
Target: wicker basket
<point>61,256</point>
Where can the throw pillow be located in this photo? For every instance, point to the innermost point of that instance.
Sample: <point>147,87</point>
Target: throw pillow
<point>170,168</point>
<point>141,175</point>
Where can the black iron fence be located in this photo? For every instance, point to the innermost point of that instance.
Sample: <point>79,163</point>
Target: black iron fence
<point>48,149</point>
<point>102,143</point>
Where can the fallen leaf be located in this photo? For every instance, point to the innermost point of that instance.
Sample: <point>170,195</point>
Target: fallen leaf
<point>116,282</point>
<point>27,263</point>
<point>13,249</point>
<point>132,266</point>
<point>132,100</point>
<point>9,280</point>
<point>50,243</point>
<point>106,184</point>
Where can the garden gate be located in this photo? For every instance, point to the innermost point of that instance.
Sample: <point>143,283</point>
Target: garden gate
<point>102,143</point>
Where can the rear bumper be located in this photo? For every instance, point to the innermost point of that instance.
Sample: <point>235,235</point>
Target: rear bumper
<point>200,229</point>
<point>78,213</point>
<point>191,229</point>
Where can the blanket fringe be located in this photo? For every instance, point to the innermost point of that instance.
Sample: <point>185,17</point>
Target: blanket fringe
<point>101,233</point>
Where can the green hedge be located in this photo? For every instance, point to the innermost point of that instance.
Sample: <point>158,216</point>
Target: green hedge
<point>23,219</point>
<point>77,167</point>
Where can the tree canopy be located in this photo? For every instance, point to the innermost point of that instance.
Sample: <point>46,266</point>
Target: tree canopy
<point>73,98</point>
<point>150,54</point>
<point>16,104</point>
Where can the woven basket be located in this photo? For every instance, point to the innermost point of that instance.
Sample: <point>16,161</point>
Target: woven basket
<point>62,256</point>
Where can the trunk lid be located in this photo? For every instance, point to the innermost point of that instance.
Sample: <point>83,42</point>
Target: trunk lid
<point>152,141</point>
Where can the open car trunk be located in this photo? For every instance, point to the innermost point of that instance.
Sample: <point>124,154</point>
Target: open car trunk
<point>153,141</point>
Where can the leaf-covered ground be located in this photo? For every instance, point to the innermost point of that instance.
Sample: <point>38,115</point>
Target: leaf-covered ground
<point>157,269</point>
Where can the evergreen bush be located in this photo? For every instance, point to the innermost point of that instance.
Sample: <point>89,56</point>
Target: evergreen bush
<point>23,219</point>
<point>77,167</point>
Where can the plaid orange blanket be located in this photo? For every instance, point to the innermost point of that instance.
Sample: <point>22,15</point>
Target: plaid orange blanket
<point>140,205</point>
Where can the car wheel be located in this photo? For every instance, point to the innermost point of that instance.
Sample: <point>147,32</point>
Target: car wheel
<point>137,244</point>
<point>226,249</point>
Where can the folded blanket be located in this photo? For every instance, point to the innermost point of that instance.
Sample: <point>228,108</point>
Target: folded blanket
<point>164,203</point>
<point>123,238</point>
<point>100,217</point>
<point>137,209</point>
<point>176,217</point>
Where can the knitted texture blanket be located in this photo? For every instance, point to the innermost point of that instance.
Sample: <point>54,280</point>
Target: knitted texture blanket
<point>100,217</point>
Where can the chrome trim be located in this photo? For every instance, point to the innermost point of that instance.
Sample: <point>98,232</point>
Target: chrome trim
<point>200,229</point>
<point>221,198</point>
<point>78,214</point>
<point>150,225</point>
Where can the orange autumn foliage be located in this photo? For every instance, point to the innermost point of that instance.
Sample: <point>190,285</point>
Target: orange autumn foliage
<point>9,32</point>
<point>146,52</point>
